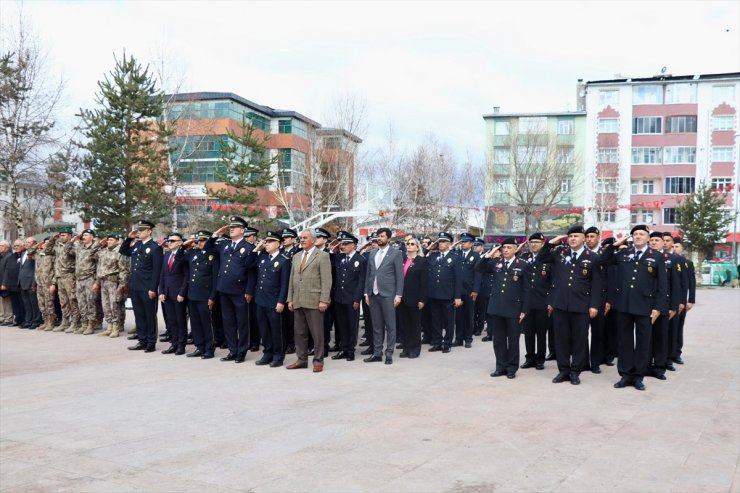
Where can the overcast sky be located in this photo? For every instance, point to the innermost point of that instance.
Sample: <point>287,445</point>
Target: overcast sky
<point>421,66</point>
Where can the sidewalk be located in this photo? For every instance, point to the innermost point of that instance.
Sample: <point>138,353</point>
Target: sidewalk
<point>81,413</point>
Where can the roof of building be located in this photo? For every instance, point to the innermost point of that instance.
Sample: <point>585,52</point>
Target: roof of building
<point>212,96</point>
<point>669,78</point>
<point>547,113</point>
<point>327,132</point>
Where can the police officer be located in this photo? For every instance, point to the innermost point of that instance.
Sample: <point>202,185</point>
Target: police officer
<point>270,292</point>
<point>289,248</point>
<point>445,292</point>
<point>688,297</point>
<point>202,272</point>
<point>236,256</point>
<point>471,279</point>
<point>347,290</point>
<point>574,299</point>
<point>598,339</point>
<point>250,234</point>
<point>610,314</point>
<point>538,321</point>
<point>640,298</point>
<point>367,324</point>
<point>484,292</point>
<point>146,264</point>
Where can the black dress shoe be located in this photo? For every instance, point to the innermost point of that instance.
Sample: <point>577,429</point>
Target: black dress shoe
<point>311,352</point>
<point>290,349</point>
<point>575,379</point>
<point>639,385</point>
<point>339,355</point>
<point>165,338</point>
<point>350,356</point>
<point>426,341</point>
<point>25,325</point>
<point>132,337</point>
<point>623,382</point>
<point>399,346</point>
<point>457,343</point>
<point>540,366</point>
<point>413,356</point>
<point>388,360</point>
<point>609,362</point>
<point>403,354</point>
<point>367,351</point>
<point>254,348</point>
<point>364,344</point>
<point>486,339</point>
<point>477,333</point>
<point>180,351</point>
<point>207,356</point>
<point>560,378</point>
<point>434,349</point>
<point>139,347</point>
<point>468,345</point>
<point>527,364</point>
<point>276,364</point>
<point>550,357</point>
<point>595,369</point>
<point>223,345</point>
<point>511,376</point>
<point>333,349</point>
<point>373,359</point>
<point>678,360</point>
<point>446,349</point>
<point>229,357</point>
<point>659,375</point>
<point>670,367</point>
<point>195,354</point>
<point>263,361</point>
<point>498,373</point>
<point>169,350</point>
<point>240,357</point>
<point>149,349</point>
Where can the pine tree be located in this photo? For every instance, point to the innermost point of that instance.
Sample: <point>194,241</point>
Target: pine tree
<point>245,165</point>
<point>702,219</point>
<point>123,171</point>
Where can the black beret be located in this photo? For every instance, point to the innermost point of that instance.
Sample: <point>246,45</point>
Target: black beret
<point>537,236</point>
<point>608,241</point>
<point>639,227</point>
<point>509,241</point>
<point>89,231</point>
<point>592,229</point>
<point>677,239</point>
<point>576,229</point>
<point>656,234</point>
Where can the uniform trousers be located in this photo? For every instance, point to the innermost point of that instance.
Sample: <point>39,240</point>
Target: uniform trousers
<point>598,339</point>
<point>411,328</point>
<point>346,319</point>
<point>481,305</point>
<point>535,335</point>
<point>271,332</point>
<point>255,331</point>
<point>464,316</point>
<point>236,322</point>
<point>68,299</point>
<point>19,314</point>
<point>46,303</point>
<point>176,321</point>
<point>200,325</point>
<point>611,341</point>
<point>441,315</point>
<point>384,324</point>
<point>145,316</point>
<point>634,344</point>
<point>367,324</point>
<point>308,320</point>
<point>679,334</point>
<point>217,323</point>
<point>571,340</point>
<point>288,331</point>
<point>659,345</point>
<point>506,332</point>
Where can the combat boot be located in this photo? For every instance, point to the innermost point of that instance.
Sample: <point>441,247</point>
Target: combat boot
<point>73,326</point>
<point>107,331</point>
<point>81,327</point>
<point>89,329</point>
<point>49,324</point>
<point>61,327</point>
<point>114,331</point>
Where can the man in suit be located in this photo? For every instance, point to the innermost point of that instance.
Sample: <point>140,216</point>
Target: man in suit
<point>445,292</point>
<point>270,293</point>
<point>309,296</point>
<point>172,294</point>
<point>9,283</point>
<point>383,291</point>
<point>27,286</point>
<point>659,340</point>
<point>575,296</point>
<point>350,269</point>
<point>146,264</point>
<point>6,308</point>
<point>471,280</point>
<point>236,258</point>
<point>640,298</point>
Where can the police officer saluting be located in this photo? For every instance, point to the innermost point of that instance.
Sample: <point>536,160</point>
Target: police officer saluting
<point>146,264</point>
<point>538,321</point>
<point>445,292</point>
<point>202,267</point>
<point>350,268</point>
<point>471,280</point>
<point>270,291</point>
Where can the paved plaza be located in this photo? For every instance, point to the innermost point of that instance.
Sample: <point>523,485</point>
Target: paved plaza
<point>81,413</point>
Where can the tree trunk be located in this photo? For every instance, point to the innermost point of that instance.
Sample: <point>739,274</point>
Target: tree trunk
<point>15,211</point>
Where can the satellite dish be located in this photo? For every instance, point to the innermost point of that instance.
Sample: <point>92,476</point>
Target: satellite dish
<point>663,70</point>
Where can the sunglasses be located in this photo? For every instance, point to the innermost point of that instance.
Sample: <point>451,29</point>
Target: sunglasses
<point>410,243</point>
<point>173,241</point>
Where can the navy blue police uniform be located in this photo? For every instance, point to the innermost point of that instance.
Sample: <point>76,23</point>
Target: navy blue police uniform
<point>203,266</point>
<point>538,322</point>
<point>471,280</point>
<point>445,286</point>
<point>347,290</point>
<point>287,318</point>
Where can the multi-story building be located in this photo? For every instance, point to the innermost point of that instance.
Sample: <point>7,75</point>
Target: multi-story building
<point>534,170</point>
<point>301,148</point>
<point>651,141</point>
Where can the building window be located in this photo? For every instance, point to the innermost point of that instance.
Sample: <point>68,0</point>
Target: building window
<point>680,124</point>
<point>293,126</point>
<point>502,155</point>
<point>606,185</point>
<point>500,185</point>
<point>566,127</point>
<point>669,215</point>
<point>647,125</point>
<point>292,170</point>
<point>606,216</point>
<point>647,155</point>
<point>565,185</point>
<point>608,125</point>
<point>608,155</point>
<point>533,125</point>
<point>721,184</point>
<point>648,188</point>
<point>679,185</point>
<point>634,187</point>
<point>680,93</point>
<point>723,154</point>
<point>566,155</point>
<point>608,97</point>
<point>680,155</point>
<point>723,122</point>
<point>646,216</point>
<point>531,154</point>
<point>723,94</point>
<point>501,128</point>
<point>201,171</point>
<point>647,94</point>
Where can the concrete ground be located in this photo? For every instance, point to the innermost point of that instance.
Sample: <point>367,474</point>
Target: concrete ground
<point>81,413</point>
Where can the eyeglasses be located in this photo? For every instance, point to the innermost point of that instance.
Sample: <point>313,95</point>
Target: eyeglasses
<point>173,241</point>
<point>410,243</point>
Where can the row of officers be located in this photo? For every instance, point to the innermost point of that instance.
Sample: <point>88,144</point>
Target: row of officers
<point>632,295</point>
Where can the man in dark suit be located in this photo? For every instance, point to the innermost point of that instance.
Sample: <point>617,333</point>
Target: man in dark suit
<point>574,299</point>
<point>349,284</point>
<point>445,292</point>
<point>172,294</point>
<point>27,287</point>
<point>538,321</point>
<point>9,283</point>
<point>598,323</point>
<point>236,258</point>
<point>146,265</point>
<point>383,292</point>
<point>202,266</point>
<point>270,294</point>
<point>289,248</point>
<point>688,298</point>
<point>659,341</point>
<point>640,298</point>
<point>471,280</point>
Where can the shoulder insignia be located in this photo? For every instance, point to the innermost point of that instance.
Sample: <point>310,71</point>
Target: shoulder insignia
<point>242,250</point>
<point>678,266</point>
<point>210,257</point>
<point>276,264</point>
<point>148,250</point>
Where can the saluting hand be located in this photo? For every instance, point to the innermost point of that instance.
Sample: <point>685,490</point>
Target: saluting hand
<point>557,240</point>
<point>132,234</point>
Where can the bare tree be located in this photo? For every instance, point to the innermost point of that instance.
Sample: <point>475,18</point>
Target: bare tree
<point>27,106</point>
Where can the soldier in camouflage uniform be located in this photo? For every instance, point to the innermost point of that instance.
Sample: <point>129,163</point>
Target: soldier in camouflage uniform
<point>86,267</point>
<point>64,279</point>
<point>112,279</point>
<point>44,280</point>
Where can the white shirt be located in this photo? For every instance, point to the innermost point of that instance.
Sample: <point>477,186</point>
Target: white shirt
<point>378,259</point>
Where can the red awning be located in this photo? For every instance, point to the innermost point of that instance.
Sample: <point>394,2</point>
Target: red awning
<point>733,238</point>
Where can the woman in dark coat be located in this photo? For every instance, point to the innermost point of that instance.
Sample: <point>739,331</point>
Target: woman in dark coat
<point>414,298</point>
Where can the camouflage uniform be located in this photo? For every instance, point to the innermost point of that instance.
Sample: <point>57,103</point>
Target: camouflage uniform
<point>113,271</point>
<point>64,280</point>
<point>85,271</point>
<point>44,279</point>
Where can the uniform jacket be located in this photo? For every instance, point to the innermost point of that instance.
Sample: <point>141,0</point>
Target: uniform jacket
<point>146,264</point>
<point>540,275</point>
<point>511,286</point>
<point>471,278</point>
<point>445,276</point>
<point>202,268</point>
<point>389,274</point>
<point>349,278</point>
<point>86,259</point>
<point>173,283</point>
<point>641,286</point>
<point>306,289</point>
<point>234,265</point>
<point>64,259</point>
<point>415,285</point>
<point>575,282</point>
<point>273,276</point>
<point>674,278</point>
<point>113,266</point>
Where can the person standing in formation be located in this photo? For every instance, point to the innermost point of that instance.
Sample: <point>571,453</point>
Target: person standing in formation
<point>112,282</point>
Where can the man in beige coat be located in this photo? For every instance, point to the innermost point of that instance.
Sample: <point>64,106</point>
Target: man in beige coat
<point>309,295</point>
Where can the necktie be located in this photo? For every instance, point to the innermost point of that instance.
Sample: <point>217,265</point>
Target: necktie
<point>379,258</point>
<point>637,255</point>
<point>303,261</point>
<point>171,261</point>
